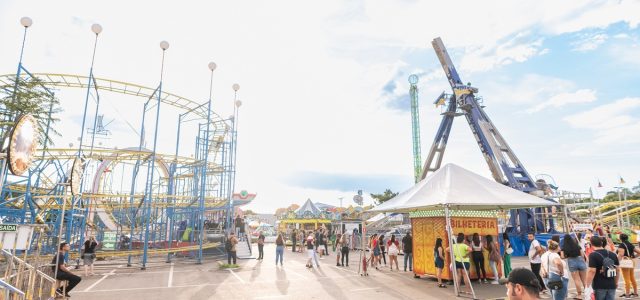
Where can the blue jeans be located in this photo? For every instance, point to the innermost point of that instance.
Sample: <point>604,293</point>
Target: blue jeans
<point>408,256</point>
<point>560,294</point>
<point>605,294</point>
<point>279,253</point>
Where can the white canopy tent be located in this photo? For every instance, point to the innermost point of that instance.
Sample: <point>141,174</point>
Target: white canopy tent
<point>453,187</point>
<point>459,188</point>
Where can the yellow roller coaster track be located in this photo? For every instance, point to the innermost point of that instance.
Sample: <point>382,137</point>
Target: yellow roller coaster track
<point>78,81</point>
<point>109,254</point>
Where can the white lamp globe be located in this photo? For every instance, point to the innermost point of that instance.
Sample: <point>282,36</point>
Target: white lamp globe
<point>164,45</point>
<point>96,28</point>
<point>26,21</point>
<point>238,103</point>
<point>235,87</point>
<point>212,66</point>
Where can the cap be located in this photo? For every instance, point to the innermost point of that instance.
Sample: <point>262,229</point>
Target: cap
<point>522,276</point>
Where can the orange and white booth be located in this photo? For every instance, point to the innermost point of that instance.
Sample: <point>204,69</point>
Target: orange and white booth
<point>453,200</point>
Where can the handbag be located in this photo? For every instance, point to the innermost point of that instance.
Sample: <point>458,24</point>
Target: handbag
<point>626,262</point>
<point>555,284</point>
<point>494,255</point>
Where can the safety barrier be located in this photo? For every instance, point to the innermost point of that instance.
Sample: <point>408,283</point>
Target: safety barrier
<point>22,276</point>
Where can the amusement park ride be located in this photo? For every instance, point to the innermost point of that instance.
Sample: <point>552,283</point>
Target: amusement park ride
<point>137,198</point>
<point>502,161</point>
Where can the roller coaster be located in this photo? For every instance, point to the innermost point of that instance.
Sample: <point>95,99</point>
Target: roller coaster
<point>135,201</point>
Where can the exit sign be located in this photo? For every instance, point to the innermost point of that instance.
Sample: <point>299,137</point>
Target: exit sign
<point>8,227</point>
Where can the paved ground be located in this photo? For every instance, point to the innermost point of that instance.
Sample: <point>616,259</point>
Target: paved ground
<point>263,280</point>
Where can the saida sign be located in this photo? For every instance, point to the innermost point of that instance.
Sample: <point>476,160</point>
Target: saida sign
<point>8,227</point>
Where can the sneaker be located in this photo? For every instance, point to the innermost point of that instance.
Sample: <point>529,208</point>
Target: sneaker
<point>485,281</point>
<point>495,282</point>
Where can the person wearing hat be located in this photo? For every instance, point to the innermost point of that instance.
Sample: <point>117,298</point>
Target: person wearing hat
<point>522,284</point>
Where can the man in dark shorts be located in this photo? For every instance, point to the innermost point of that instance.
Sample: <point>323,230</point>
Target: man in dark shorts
<point>61,272</point>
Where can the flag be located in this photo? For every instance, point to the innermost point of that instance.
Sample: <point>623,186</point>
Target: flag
<point>622,180</point>
<point>599,183</point>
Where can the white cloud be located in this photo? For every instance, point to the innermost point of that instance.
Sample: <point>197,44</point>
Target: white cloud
<point>562,99</point>
<point>531,89</point>
<point>309,97</point>
<point>626,54</point>
<point>517,49</point>
<point>615,122</point>
<point>589,42</point>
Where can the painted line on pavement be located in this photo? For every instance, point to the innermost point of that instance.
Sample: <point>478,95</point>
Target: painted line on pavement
<point>236,276</point>
<point>101,279</point>
<point>296,273</point>
<point>170,283</point>
<point>364,289</point>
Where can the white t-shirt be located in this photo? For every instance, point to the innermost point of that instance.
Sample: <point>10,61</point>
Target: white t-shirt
<point>547,263</point>
<point>532,252</point>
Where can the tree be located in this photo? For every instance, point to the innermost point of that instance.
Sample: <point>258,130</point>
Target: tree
<point>249,212</point>
<point>30,97</point>
<point>293,207</point>
<point>381,198</point>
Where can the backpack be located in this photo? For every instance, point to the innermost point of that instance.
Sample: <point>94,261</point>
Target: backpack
<point>607,264</point>
<point>227,245</point>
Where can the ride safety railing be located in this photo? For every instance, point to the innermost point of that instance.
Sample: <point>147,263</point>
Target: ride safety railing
<point>22,280</point>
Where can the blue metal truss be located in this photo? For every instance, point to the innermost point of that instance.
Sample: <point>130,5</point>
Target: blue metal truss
<point>505,167</point>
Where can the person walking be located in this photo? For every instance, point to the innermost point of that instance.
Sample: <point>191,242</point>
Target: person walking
<point>506,258</point>
<point>334,239</point>
<point>478,258</point>
<point>89,255</point>
<point>325,241</point>
<point>294,237</point>
<point>231,248</point>
<point>407,248</point>
<point>301,238</point>
<point>555,271</point>
<point>393,247</point>
<point>238,224</point>
<point>335,244</point>
<point>576,262</point>
<point>383,249</point>
<point>312,259</point>
<point>279,248</point>
<point>61,272</point>
<point>375,245</point>
<point>626,255</point>
<point>344,242</point>
<point>494,257</point>
<point>261,246</point>
<point>438,254</point>
<point>604,271</point>
<point>535,251</point>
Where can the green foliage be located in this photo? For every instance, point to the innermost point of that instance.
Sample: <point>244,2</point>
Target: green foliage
<point>381,198</point>
<point>228,266</point>
<point>30,97</point>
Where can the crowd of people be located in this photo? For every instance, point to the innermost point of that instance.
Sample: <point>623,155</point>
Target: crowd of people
<point>317,243</point>
<point>593,261</point>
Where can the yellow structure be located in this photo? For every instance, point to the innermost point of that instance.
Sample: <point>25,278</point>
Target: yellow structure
<point>428,226</point>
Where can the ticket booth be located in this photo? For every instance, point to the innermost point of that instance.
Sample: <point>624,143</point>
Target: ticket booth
<point>427,226</point>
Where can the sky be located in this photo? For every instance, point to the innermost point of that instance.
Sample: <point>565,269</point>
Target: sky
<point>324,84</point>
